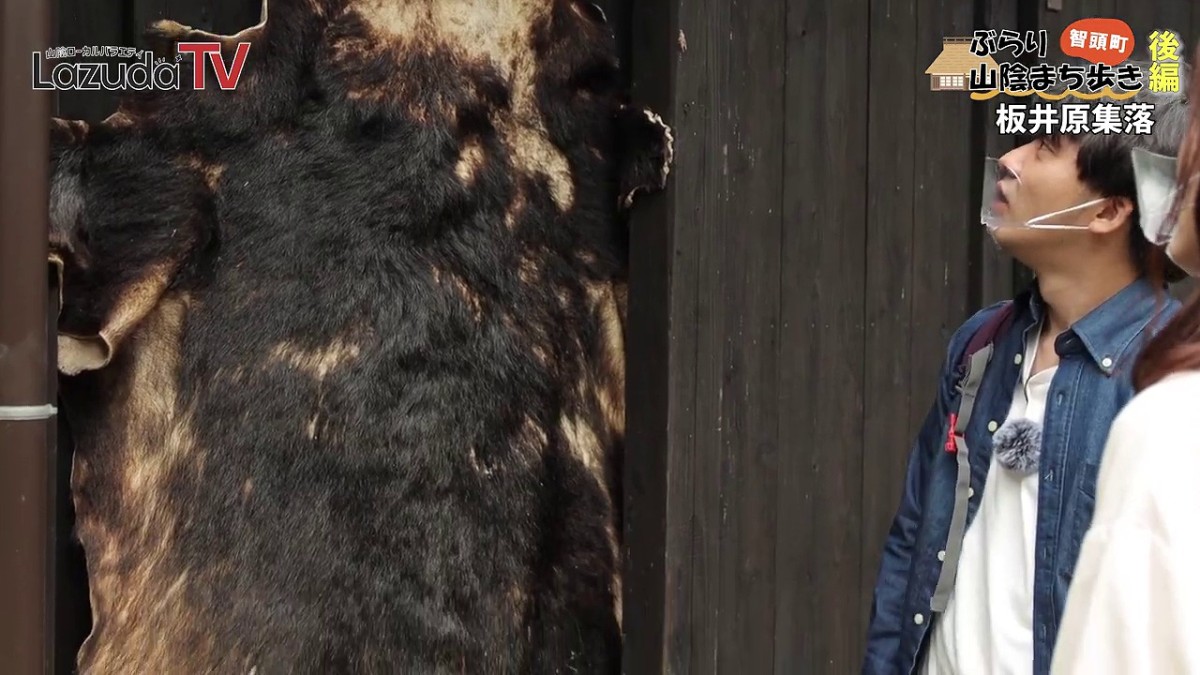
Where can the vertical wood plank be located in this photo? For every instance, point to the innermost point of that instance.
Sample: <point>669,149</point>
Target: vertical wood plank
<point>691,543</point>
<point>90,23</point>
<point>724,230</point>
<point>713,30</point>
<point>661,370</point>
<point>819,560</point>
<point>645,465</point>
<point>710,32</point>
<point>1055,22</point>
<point>942,205</point>
<point>996,270</point>
<point>894,65</point>
<point>751,139</point>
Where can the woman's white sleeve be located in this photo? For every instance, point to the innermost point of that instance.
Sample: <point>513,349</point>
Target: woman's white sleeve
<point>1134,601</point>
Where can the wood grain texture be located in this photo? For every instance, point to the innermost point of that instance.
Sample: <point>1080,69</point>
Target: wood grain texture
<point>821,394</point>
<point>650,469</point>
<point>748,351</point>
<point>90,23</point>
<point>896,79</point>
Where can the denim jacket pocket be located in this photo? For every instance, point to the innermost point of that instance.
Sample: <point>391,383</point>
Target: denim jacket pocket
<point>1084,508</point>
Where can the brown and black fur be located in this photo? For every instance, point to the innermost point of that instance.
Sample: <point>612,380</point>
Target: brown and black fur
<point>342,349</point>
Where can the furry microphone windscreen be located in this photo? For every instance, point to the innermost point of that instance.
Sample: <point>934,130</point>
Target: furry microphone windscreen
<point>1018,445</point>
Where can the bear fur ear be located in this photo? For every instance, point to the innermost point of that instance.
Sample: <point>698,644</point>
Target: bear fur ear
<point>646,148</point>
<point>103,299</point>
<point>131,304</point>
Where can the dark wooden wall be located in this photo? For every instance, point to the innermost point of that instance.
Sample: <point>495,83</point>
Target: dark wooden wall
<point>793,292</point>
<point>792,296</point>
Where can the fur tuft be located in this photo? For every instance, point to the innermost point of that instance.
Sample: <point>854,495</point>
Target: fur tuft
<point>1018,445</point>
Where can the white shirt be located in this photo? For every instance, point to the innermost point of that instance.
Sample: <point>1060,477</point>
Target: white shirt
<point>1134,602</point>
<point>987,627</point>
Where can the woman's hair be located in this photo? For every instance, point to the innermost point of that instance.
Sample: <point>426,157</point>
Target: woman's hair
<point>1177,346</point>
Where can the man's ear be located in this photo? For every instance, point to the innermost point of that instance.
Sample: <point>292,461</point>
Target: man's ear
<point>646,150</point>
<point>1116,212</point>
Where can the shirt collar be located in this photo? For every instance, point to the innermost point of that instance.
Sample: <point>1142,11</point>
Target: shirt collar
<point>1108,331</point>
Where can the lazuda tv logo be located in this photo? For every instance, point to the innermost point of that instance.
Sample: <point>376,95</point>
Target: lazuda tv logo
<point>142,72</point>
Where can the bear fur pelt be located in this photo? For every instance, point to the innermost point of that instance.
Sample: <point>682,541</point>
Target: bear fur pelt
<point>342,348</point>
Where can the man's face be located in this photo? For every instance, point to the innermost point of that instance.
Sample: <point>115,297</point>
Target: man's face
<point>1049,182</point>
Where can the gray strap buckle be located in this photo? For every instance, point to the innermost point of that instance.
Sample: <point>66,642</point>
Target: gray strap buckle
<point>958,518</point>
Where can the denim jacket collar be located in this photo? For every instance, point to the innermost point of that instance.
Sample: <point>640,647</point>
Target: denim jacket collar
<point>1108,332</point>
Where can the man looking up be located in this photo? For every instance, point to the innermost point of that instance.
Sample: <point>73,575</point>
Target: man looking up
<point>1000,482</point>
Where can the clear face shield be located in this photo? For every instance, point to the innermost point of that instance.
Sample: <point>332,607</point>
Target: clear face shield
<point>1001,184</point>
<point>1157,192</point>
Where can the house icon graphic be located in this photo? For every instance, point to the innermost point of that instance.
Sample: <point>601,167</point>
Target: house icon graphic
<point>951,70</point>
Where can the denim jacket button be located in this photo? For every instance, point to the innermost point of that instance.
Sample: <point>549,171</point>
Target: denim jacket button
<point>918,619</point>
<point>942,556</point>
<point>1017,359</point>
<point>970,492</point>
<point>992,426</point>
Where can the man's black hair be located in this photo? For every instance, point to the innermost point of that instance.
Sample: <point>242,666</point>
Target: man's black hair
<point>1105,161</point>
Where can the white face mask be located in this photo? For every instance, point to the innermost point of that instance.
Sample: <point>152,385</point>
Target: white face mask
<point>1157,188</point>
<point>994,214</point>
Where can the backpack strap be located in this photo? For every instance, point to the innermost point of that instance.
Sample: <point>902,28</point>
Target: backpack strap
<point>986,334</point>
<point>973,364</point>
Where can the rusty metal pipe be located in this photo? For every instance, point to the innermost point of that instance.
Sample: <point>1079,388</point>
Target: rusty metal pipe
<point>26,413</point>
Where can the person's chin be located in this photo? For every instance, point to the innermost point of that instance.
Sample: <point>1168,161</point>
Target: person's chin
<point>1008,237</point>
<point>1186,258</point>
<point>1019,242</point>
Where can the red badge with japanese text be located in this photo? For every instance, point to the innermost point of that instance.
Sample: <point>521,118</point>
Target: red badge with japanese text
<point>1107,41</point>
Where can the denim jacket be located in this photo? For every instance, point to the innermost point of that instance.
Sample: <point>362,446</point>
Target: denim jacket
<point>1091,385</point>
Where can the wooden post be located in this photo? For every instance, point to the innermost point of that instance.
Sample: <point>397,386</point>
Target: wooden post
<point>652,73</point>
<point>26,417</point>
<point>703,377</point>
